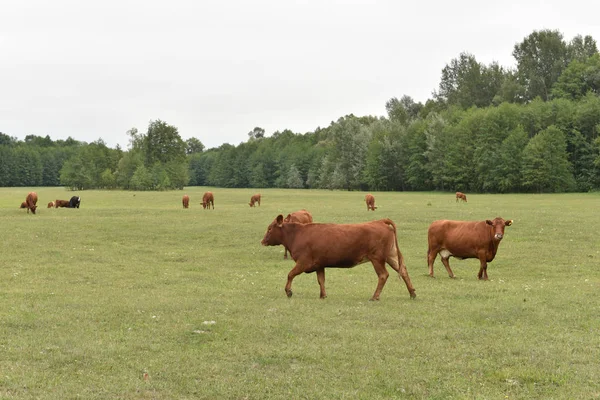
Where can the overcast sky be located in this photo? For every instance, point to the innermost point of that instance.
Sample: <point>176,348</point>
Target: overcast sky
<point>217,69</point>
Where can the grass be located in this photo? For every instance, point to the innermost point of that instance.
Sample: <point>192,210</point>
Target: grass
<point>129,284</point>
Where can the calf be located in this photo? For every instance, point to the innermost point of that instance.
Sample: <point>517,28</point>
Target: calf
<point>23,205</point>
<point>31,202</point>
<point>301,217</point>
<point>465,239</point>
<point>254,199</point>
<point>208,199</point>
<point>186,201</point>
<point>461,196</point>
<point>315,247</point>
<point>370,200</point>
<point>74,202</point>
<point>51,204</point>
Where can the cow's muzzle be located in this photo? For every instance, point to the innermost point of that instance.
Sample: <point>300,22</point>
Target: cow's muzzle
<point>498,236</point>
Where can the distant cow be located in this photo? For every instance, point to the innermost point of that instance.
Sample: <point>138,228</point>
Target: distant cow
<point>461,196</point>
<point>51,204</point>
<point>465,239</point>
<point>186,201</point>
<point>74,202</point>
<point>370,200</point>
<point>317,246</point>
<point>208,199</point>
<point>23,205</point>
<point>31,202</point>
<point>301,217</point>
<point>254,199</point>
<point>61,203</point>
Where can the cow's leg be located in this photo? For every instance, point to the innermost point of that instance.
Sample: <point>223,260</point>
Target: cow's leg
<point>447,265</point>
<point>431,255</point>
<point>297,270</point>
<point>382,274</point>
<point>321,280</point>
<point>483,269</point>
<point>400,267</point>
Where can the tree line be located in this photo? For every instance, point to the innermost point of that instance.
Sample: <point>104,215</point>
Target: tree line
<point>533,128</point>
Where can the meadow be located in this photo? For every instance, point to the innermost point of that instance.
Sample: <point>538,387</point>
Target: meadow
<point>133,297</point>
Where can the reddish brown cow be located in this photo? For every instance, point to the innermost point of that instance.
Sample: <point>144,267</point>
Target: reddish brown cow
<point>301,217</point>
<point>461,196</point>
<point>23,205</point>
<point>315,247</point>
<point>465,239</point>
<point>255,199</point>
<point>207,200</point>
<point>51,204</point>
<point>185,201</point>
<point>31,202</point>
<point>370,200</point>
<point>61,203</point>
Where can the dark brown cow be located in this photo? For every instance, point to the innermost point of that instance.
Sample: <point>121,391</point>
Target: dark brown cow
<point>370,200</point>
<point>255,199</point>
<point>61,203</point>
<point>465,239</point>
<point>185,201</point>
<point>315,247</point>
<point>301,217</point>
<point>207,199</point>
<point>461,196</point>
<point>51,204</point>
<point>31,202</point>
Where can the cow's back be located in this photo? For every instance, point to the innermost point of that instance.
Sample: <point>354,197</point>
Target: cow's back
<point>301,216</point>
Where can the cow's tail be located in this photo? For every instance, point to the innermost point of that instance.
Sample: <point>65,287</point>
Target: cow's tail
<point>402,271</point>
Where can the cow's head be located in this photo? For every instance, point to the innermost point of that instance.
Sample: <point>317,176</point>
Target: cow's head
<point>204,205</point>
<point>32,208</point>
<point>498,225</point>
<point>273,236</point>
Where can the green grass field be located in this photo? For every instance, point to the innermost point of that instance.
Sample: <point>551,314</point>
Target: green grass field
<point>92,299</point>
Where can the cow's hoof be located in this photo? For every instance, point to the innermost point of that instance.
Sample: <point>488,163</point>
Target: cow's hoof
<point>322,297</point>
<point>289,293</point>
<point>413,295</point>
<point>431,276</point>
<point>374,299</point>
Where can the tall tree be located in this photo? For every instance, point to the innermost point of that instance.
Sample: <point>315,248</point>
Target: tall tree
<point>193,146</point>
<point>541,57</point>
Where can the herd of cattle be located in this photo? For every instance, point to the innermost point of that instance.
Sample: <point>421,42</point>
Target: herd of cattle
<point>316,246</point>
<point>31,200</point>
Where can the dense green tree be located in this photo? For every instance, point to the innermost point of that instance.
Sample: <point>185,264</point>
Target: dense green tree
<point>193,146</point>
<point>541,57</point>
<point>546,167</point>
<point>579,78</point>
<point>162,143</point>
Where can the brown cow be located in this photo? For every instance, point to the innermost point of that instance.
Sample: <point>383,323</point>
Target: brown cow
<point>317,246</point>
<point>51,204</point>
<point>23,205</point>
<point>461,196</point>
<point>207,200</point>
<point>61,203</point>
<point>465,239</point>
<point>301,217</point>
<point>185,201</point>
<point>255,199</point>
<point>370,200</point>
<point>31,202</point>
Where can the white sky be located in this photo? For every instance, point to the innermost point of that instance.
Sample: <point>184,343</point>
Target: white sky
<point>217,69</point>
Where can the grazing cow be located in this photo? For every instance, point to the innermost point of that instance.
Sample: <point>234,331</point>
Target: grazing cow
<point>255,199</point>
<point>207,199</point>
<point>465,239</point>
<point>315,247</point>
<point>370,200</point>
<point>301,217</point>
<point>23,205</point>
<point>461,196</point>
<point>31,202</point>
<point>74,202</point>
<point>186,201</point>
<point>61,203</point>
<point>51,204</point>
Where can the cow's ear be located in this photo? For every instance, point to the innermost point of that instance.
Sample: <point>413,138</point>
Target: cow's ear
<point>487,221</point>
<point>287,219</point>
<point>279,220</point>
<point>508,223</point>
